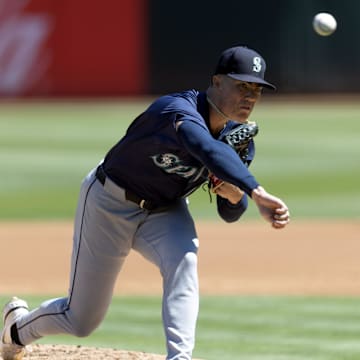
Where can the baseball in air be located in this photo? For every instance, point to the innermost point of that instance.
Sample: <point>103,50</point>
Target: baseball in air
<point>324,24</point>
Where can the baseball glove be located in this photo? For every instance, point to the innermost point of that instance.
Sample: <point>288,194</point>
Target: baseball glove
<point>238,136</point>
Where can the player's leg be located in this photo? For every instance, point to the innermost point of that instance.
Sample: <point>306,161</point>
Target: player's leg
<point>169,240</point>
<point>102,239</point>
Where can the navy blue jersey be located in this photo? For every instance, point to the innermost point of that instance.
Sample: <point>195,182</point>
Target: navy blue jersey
<point>151,160</point>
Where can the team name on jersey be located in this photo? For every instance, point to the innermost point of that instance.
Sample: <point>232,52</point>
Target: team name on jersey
<point>172,164</point>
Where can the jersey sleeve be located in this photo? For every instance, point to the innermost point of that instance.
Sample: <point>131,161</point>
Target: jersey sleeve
<point>218,157</point>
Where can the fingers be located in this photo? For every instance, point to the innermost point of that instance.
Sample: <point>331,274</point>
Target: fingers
<point>277,225</point>
<point>281,218</point>
<point>281,214</point>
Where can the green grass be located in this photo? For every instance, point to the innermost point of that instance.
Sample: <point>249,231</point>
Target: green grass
<point>243,327</point>
<point>46,150</point>
<point>307,153</point>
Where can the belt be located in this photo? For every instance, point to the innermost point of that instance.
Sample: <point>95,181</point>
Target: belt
<point>143,204</point>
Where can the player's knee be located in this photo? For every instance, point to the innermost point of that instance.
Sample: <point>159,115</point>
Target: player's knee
<point>185,266</point>
<point>190,260</point>
<point>83,330</point>
<point>85,325</point>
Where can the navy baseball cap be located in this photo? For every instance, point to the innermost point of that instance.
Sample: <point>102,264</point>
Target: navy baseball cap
<point>242,63</point>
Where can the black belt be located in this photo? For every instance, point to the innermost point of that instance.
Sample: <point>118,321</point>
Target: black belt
<point>144,204</point>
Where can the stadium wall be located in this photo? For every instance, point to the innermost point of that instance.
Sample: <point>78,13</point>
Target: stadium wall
<point>136,47</point>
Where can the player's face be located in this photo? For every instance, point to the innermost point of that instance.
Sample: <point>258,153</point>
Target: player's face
<point>237,98</point>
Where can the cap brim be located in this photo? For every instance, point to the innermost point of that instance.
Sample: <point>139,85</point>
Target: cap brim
<point>252,79</point>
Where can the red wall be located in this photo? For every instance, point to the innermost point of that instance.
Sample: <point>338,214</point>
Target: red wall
<point>67,47</point>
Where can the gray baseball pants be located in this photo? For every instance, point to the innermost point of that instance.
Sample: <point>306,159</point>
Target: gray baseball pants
<point>107,227</point>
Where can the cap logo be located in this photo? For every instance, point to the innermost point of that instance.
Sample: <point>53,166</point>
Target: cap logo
<point>257,64</point>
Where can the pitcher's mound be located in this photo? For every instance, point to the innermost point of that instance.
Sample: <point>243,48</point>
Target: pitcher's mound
<point>73,352</point>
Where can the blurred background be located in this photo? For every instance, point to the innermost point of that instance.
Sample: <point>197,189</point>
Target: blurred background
<point>140,47</point>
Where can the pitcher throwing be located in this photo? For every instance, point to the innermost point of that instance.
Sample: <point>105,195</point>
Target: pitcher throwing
<point>136,198</point>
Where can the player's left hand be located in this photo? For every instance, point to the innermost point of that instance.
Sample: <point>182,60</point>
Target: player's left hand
<point>230,192</point>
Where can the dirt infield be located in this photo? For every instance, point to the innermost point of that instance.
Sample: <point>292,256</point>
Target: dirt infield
<point>243,258</point>
<point>307,258</point>
<point>62,352</point>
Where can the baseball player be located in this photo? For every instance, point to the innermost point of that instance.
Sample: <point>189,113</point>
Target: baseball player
<point>136,198</point>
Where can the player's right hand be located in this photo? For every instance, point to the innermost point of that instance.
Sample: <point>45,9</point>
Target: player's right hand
<point>272,209</point>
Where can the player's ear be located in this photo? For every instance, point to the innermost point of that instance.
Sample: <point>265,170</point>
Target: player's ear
<point>216,81</point>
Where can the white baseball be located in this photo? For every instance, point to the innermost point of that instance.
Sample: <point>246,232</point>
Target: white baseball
<point>324,24</point>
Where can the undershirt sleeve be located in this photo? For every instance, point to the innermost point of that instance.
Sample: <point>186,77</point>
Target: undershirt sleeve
<point>231,212</point>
